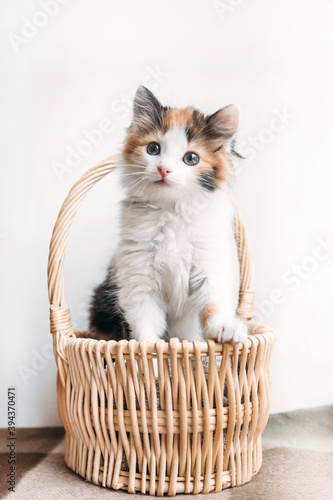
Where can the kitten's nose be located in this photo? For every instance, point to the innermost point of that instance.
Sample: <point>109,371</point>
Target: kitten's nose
<point>164,171</point>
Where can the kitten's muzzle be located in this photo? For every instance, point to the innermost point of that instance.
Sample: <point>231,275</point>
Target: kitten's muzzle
<point>164,171</point>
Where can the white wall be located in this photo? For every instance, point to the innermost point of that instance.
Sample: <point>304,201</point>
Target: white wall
<point>269,57</point>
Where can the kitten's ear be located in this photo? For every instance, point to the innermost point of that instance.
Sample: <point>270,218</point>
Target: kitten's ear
<point>223,123</point>
<point>147,110</point>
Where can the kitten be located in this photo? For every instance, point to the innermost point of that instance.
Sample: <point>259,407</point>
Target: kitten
<point>175,272</point>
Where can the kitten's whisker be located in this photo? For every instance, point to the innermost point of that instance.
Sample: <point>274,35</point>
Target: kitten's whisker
<point>137,182</point>
<point>134,165</point>
<point>137,192</point>
<point>131,173</point>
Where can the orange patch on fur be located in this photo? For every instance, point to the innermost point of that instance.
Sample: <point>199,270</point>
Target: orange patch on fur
<point>206,314</point>
<point>218,160</point>
<point>177,118</point>
<point>134,143</point>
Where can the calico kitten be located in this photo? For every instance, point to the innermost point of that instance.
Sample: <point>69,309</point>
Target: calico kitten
<point>175,272</point>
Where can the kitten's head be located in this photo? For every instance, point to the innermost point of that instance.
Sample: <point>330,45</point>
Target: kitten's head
<point>170,154</point>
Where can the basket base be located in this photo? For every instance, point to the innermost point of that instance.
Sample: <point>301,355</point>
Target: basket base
<point>84,462</point>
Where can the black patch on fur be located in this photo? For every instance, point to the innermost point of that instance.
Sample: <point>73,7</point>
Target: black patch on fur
<point>211,133</point>
<point>207,180</point>
<point>106,317</point>
<point>189,134</point>
<point>205,126</point>
<point>199,121</point>
<point>148,112</point>
<point>232,150</point>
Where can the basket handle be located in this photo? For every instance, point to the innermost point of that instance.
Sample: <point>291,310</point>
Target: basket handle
<point>59,312</point>
<point>245,308</point>
<point>60,317</point>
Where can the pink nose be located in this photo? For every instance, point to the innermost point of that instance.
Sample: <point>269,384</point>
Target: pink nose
<point>164,171</point>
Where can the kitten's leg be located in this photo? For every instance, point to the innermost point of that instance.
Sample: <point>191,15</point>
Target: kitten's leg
<point>186,327</point>
<point>147,321</point>
<point>218,317</point>
<point>222,327</point>
<point>146,318</point>
<point>117,313</point>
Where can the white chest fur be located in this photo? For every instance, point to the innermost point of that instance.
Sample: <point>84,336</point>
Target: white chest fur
<point>161,249</point>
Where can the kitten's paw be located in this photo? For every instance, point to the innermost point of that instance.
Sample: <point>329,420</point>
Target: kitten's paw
<point>226,330</point>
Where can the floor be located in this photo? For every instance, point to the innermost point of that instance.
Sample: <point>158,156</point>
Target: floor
<point>297,463</point>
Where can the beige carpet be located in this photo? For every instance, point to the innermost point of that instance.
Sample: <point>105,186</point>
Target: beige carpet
<point>297,464</point>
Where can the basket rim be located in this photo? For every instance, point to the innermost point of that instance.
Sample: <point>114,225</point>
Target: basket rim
<point>260,333</point>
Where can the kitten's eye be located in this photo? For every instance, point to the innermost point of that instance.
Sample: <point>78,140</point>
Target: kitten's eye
<point>191,159</point>
<point>153,149</point>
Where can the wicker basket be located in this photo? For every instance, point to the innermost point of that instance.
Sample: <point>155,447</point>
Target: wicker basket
<point>126,431</point>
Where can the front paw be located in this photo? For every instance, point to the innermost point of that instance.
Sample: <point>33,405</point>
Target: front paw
<point>226,329</point>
